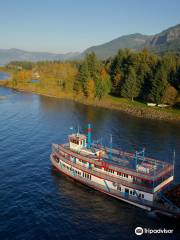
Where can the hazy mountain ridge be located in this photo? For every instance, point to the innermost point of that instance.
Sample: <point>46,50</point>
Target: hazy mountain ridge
<point>13,54</point>
<point>133,41</point>
<point>165,41</point>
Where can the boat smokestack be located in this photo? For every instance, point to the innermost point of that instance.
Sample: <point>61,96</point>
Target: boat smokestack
<point>89,130</point>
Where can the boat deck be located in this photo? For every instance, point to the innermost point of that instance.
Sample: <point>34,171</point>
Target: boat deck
<point>122,161</point>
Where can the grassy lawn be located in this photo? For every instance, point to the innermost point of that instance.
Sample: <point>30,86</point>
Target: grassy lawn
<point>140,105</point>
<point>126,101</point>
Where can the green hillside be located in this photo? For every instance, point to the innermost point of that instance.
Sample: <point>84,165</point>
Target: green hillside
<point>133,41</point>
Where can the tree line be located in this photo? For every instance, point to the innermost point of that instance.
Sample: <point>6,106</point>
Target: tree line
<point>145,76</point>
<point>142,75</point>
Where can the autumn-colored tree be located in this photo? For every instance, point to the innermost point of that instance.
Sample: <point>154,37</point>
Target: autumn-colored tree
<point>22,76</point>
<point>14,80</point>
<point>105,81</point>
<point>90,88</point>
<point>170,95</point>
<point>57,75</point>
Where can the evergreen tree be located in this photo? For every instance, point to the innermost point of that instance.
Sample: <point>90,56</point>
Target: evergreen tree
<point>130,88</point>
<point>93,65</point>
<point>144,64</point>
<point>119,69</point>
<point>83,77</point>
<point>99,91</point>
<point>170,64</point>
<point>176,81</point>
<point>94,72</point>
<point>158,85</point>
<point>116,80</point>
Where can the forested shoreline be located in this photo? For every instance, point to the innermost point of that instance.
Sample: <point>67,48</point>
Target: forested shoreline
<point>128,76</point>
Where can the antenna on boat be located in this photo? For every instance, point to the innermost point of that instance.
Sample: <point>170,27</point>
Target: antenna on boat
<point>78,130</point>
<point>110,152</point>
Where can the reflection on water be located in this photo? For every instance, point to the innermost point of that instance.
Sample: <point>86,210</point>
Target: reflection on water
<point>104,210</point>
<point>52,206</point>
<point>100,207</point>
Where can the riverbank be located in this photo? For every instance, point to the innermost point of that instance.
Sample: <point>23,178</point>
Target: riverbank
<point>135,108</point>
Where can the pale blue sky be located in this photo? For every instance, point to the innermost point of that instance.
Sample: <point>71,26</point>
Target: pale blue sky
<point>73,25</point>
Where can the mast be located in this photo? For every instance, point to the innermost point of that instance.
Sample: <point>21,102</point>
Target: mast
<point>78,131</point>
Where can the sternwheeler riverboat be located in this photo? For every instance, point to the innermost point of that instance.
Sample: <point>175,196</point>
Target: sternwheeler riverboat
<point>132,178</point>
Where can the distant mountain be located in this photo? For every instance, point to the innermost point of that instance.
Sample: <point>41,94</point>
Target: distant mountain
<point>165,41</point>
<point>13,54</point>
<point>133,41</point>
<point>168,40</point>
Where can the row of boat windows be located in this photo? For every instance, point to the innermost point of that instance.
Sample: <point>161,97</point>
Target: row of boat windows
<point>131,192</point>
<point>81,142</point>
<point>73,158</point>
<point>112,171</point>
<point>74,141</point>
<point>108,170</point>
<point>122,174</point>
<point>85,175</point>
<point>98,167</point>
<point>141,195</point>
<point>69,168</point>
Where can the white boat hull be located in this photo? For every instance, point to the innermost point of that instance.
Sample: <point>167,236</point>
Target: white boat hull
<point>97,186</point>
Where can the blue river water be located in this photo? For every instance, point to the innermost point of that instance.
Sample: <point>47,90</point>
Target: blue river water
<point>38,203</point>
<point>4,76</point>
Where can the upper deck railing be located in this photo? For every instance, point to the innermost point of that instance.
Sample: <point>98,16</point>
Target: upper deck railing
<point>166,169</point>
